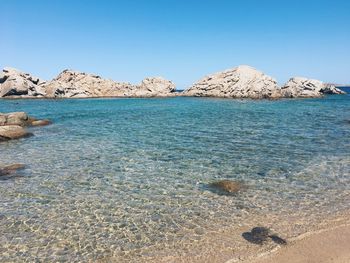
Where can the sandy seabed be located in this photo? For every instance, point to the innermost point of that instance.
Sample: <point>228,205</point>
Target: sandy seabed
<point>320,240</point>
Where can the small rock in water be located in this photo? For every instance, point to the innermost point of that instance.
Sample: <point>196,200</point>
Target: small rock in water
<point>227,186</point>
<point>278,240</point>
<point>11,169</point>
<point>41,122</point>
<point>14,167</point>
<point>259,235</point>
<point>4,172</point>
<point>260,231</point>
<point>11,132</point>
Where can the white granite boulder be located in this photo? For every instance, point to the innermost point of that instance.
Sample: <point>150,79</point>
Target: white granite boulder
<point>11,132</point>
<point>299,87</point>
<point>74,84</point>
<point>239,82</point>
<point>154,87</point>
<point>14,83</point>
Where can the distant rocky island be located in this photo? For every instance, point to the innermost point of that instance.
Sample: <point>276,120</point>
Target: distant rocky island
<point>239,82</point>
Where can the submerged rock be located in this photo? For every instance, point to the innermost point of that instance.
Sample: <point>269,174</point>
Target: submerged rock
<point>9,170</point>
<point>278,240</point>
<point>227,186</point>
<point>260,235</point>
<point>13,167</point>
<point>20,119</point>
<point>12,125</point>
<point>41,122</point>
<point>307,88</point>
<point>12,132</point>
<point>239,82</point>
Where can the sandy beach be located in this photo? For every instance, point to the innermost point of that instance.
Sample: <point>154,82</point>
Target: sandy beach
<point>330,245</point>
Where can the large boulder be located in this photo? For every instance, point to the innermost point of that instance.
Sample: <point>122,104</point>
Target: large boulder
<point>20,119</point>
<point>154,87</point>
<point>239,82</point>
<point>14,83</point>
<point>299,87</point>
<point>11,132</point>
<point>74,84</point>
<point>15,118</point>
<point>12,125</point>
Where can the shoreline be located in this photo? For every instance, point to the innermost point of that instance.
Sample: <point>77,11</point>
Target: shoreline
<point>165,97</point>
<point>323,246</point>
<point>318,243</point>
<point>330,242</point>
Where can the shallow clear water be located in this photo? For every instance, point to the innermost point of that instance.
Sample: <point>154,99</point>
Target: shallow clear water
<point>128,177</point>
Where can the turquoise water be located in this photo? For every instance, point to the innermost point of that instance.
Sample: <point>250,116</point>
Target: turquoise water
<point>127,178</point>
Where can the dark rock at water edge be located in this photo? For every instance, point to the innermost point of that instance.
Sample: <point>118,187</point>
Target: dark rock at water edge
<point>261,235</point>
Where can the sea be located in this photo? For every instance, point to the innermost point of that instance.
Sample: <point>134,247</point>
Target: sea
<point>128,179</point>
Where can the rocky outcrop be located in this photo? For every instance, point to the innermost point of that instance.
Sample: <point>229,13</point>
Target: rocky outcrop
<point>40,122</point>
<point>153,87</point>
<point>307,88</point>
<point>331,89</point>
<point>247,82</point>
<point>14,83</point>
<point>12,125</point>
<point>74,84</point>
<point>240,82</point>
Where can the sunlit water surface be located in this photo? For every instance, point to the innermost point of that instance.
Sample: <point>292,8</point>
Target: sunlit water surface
<point>127,178</point>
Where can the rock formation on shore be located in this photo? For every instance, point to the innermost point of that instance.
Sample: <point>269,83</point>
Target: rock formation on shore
<point>74,84</point>
<point>247,82</point>
<point>16,83</point>
<point>153,87</point>
<point>305,88</point>
<point>12,125</point>
<point>240,82</point>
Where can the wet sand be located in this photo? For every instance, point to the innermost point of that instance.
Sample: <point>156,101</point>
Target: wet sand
<point>330,245</point>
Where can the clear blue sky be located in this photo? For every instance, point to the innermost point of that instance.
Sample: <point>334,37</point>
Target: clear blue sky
<point>181,40</point>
